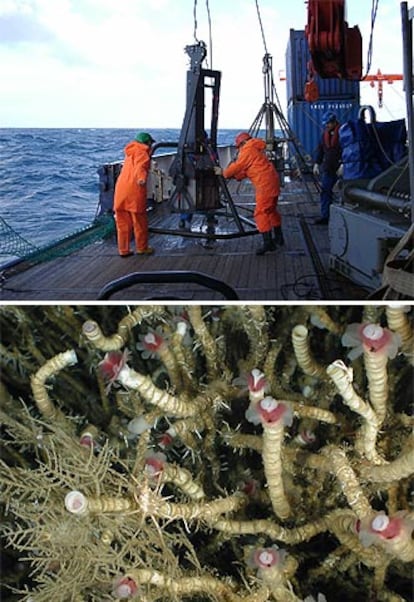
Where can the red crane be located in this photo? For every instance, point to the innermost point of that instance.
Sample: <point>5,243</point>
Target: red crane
<point>335,48</point>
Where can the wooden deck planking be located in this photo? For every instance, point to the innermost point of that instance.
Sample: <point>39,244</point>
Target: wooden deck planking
<point>286,274</point>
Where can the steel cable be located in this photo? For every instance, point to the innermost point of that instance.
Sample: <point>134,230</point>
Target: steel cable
<point>374,9</point>
<point>210,38</point>
<point>261,26</point>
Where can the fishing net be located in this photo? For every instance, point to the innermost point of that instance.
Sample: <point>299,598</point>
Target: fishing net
<point>12,244</point>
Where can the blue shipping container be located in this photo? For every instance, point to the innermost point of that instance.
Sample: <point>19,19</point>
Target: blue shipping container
<point>305,119</point>
<point>297,58</point>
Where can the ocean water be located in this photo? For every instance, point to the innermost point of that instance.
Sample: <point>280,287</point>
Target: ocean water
<point>49,186</point>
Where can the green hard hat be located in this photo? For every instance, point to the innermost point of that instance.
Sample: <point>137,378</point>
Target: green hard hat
<point>145,138</point>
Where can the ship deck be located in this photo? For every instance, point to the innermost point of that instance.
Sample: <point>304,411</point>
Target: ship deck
<point>298,271</point>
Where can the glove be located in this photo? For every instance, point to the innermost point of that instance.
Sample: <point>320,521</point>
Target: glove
<point>316,169</point>
<point>218,171</point>
<point>340,171</point>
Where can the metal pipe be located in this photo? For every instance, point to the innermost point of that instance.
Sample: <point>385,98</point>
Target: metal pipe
<point>375,199</point>
<point>167,277</point>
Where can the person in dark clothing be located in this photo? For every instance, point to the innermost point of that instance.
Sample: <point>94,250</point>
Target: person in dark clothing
<point>328,163</point>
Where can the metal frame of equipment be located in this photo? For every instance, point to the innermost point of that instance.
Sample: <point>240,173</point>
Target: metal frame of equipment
<point>197,189</point>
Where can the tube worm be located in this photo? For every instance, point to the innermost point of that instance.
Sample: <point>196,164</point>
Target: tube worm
<point>306,435</point>
<point>348,480</point>
<point>401,468</point>
<point>115,368</point>
<point>243,441</point>
<point>127,587</point>
<point>314,461</point>
<point>89,437</point>
<point>252,488</point>
<point>255,326</point>
<point>257,385</point>
<point>264,558</point>
<point>343,524</point>
<point>392,505</point>
<point>376,371</point>
<point>303,353</point>
<point>269,366</point>
<point>370,337</point>
<point>291,536</point>
<point>207,342</point>
<point>273,569</point>
<point>377,345</point>
<point>38,382</point>
<point>92,331</point>
<point>156,343</point>
<point>184,359</point>
<point>372,314</point>
<point>78,503</point>
<point>157,467</point>
<point>314,412</point>
<point>321,319</point>
<point>152,504</point>
<point>342,377</point>
<point>393,534</point>
<point>398,322</point>
<point>274,416</point>
<point>141,449</point>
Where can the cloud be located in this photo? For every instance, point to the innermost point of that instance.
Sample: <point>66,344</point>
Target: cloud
<point>122,62</point>
<point>20,28</point>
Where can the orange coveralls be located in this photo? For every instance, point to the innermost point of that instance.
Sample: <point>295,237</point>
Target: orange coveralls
<point>130,200</point>
<point>252,163</point>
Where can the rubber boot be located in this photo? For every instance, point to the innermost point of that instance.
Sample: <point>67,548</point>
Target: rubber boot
<point>268,244</point>
<point>278,240</point>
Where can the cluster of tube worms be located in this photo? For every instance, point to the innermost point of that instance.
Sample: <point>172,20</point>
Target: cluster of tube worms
<point>232,453</point>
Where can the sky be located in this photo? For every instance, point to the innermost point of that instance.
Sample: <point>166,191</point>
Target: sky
<point>122,64</point>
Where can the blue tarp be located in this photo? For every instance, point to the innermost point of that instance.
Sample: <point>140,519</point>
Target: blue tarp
<point>370,148</point>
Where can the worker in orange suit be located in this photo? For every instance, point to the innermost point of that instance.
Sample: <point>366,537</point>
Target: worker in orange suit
<point>130,200</point>
<point>253,163</point>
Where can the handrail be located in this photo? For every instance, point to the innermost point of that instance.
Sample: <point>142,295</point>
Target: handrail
<point>167,277</point>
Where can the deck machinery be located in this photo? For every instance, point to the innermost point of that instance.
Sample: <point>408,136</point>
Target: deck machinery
<point>196,187</point>
<point>368,223</point>
<point>375,214</point>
